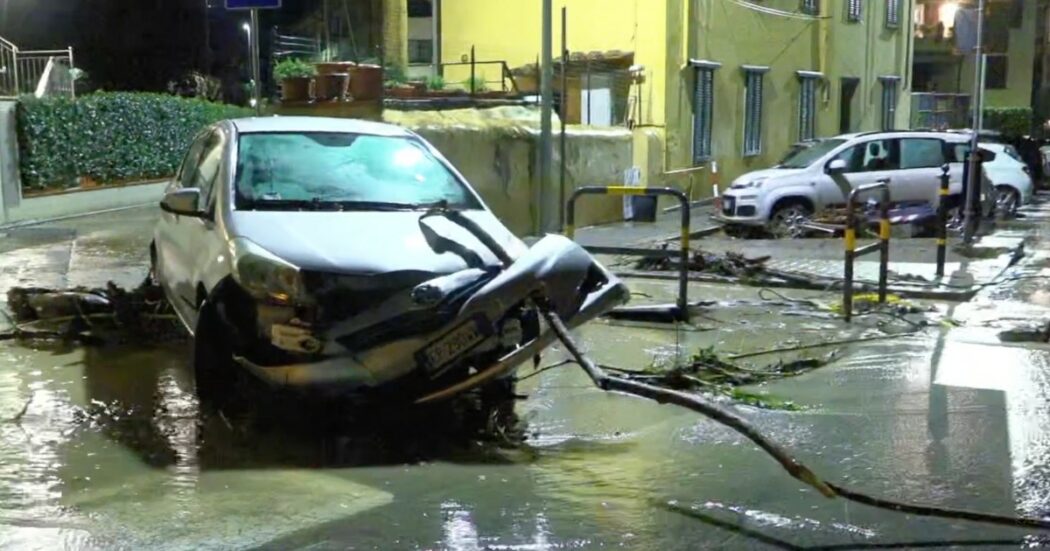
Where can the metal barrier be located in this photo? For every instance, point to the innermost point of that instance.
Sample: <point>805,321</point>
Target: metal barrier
<point>680,310</point>
<point>883,245</point>
<point>942,220</point>
<point>37,72</point>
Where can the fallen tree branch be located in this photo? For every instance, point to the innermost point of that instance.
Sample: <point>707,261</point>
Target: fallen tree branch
<point>820,345</point>
<point>793,466</point>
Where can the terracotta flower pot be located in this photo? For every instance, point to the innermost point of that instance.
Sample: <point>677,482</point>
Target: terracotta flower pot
<point>333,67</point>
<point>404,91</point>
<point>295,89</point>
<point>331,86</point>
<point>366,82</point>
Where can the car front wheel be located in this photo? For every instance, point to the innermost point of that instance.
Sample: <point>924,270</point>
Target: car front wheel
<point>787,218</point>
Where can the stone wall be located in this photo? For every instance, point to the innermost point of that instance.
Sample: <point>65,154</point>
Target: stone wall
<point>496,150</point>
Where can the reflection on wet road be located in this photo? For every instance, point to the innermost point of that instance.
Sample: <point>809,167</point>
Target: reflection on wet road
<point>109,448</point>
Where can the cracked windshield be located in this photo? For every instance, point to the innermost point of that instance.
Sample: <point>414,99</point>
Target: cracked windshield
<point>524,274</point>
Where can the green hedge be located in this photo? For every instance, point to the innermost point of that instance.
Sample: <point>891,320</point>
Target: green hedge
<point>109,136</point>
<point>1011,121</point>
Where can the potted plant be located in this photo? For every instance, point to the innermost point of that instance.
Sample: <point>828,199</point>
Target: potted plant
<point>295,76</point>
<point>436,88</point>
<point>475,85</point>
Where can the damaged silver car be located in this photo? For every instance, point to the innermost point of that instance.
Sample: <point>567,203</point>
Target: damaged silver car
<point>351,256</point>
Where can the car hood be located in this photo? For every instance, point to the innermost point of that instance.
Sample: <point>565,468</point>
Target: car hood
<point>372,242</point>
<point>765,174</point>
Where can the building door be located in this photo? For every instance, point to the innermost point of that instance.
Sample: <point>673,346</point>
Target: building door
<point>849,90</point>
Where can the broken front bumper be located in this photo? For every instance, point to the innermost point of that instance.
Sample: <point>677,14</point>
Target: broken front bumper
<point>577,288</point>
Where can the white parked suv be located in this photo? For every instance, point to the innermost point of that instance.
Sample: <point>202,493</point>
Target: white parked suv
<point>1010,176</point>
<point>802,183</point>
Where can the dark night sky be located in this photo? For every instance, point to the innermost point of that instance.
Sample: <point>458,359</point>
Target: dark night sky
<point>139,44</point>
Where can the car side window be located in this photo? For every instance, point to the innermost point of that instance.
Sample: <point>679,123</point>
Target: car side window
<point>188,171</point>
<point>853,156</point>
<point>207,171</point>
<point>872,156</point>
<point>921,153</point>
<point>879,155</point>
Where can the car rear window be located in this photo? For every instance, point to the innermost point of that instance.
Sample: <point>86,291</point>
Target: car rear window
<point>345,168</point>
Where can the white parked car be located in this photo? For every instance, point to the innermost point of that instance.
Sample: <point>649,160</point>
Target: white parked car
<point>1010,176</point>
<point>802,183</point>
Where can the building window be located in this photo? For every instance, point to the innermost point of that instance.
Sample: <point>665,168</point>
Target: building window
<point>811,7</point>
<point>807,104</point>
<point>703,109</point>
<point>753,96</point>
<point>889,101</point>
<point>893,14</point>
<point>853,10</point>
<point>995,71</point>
<point>421,51</point>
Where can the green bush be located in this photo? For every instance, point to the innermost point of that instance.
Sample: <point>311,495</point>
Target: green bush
<point>293,68</point>
<point>109,137</point>
<point>1011,121</point>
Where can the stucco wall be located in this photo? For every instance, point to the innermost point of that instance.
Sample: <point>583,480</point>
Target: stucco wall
<point>665,34</point>
<point>495,149</point>
<point>733,35</point>
<point>510,30</point>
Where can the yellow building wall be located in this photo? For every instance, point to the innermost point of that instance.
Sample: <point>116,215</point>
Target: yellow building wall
<point>511,31</point>
<point>666,34</point>
<point>734,35</point>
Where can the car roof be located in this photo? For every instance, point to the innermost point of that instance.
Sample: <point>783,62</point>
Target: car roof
<point>904,134</point>
<point>315,124</point>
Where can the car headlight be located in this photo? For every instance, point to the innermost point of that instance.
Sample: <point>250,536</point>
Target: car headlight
<point>265,275</point>
<point>753,184</point>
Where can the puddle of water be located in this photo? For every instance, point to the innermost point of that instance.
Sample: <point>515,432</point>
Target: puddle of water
<point>113,449</point>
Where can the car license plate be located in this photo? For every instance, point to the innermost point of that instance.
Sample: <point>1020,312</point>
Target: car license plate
<point>454,344</point>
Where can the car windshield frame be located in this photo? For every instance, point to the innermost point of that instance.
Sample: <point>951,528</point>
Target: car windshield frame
<point>812,154</point>
<point>459,195</point>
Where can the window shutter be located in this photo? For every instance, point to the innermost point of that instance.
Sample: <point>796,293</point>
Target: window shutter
<point>807,105</point>
<point>703,110</point>
<point>889,101</point>
<point>893,13</point>
<point>753,100</point>
<point>853,10</point>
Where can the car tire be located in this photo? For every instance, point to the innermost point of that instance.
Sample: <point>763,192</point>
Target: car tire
<point>782,220</point>
<point>1007,200</point>
<point>214,369</point>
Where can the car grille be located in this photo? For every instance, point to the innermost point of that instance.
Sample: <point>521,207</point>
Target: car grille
<point>745,211</point>
<point>728,205</point>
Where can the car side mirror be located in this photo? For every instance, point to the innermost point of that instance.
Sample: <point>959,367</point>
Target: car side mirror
<point>183,202</point>
<point>836,166</point>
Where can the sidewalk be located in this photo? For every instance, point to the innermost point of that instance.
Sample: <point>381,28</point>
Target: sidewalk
<point>912,260</point>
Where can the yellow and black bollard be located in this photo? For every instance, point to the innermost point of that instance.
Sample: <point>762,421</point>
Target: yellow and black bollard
<point>680,312</point>
<point>942,221</point>
<point>883,245</point>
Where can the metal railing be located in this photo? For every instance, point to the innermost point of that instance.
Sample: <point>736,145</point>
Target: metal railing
<point>37,72</point>
<point>939,110</point>
<point>301,47</point>
<point>669,313</point>
<point>882,245</point>
<point>473,81</point>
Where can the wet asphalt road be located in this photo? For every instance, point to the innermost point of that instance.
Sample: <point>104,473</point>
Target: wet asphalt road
<point>109,448</point>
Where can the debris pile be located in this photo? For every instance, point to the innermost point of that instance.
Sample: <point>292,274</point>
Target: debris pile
<point>708,372</point>
<point>91,316</point>
<point>729,264</point>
